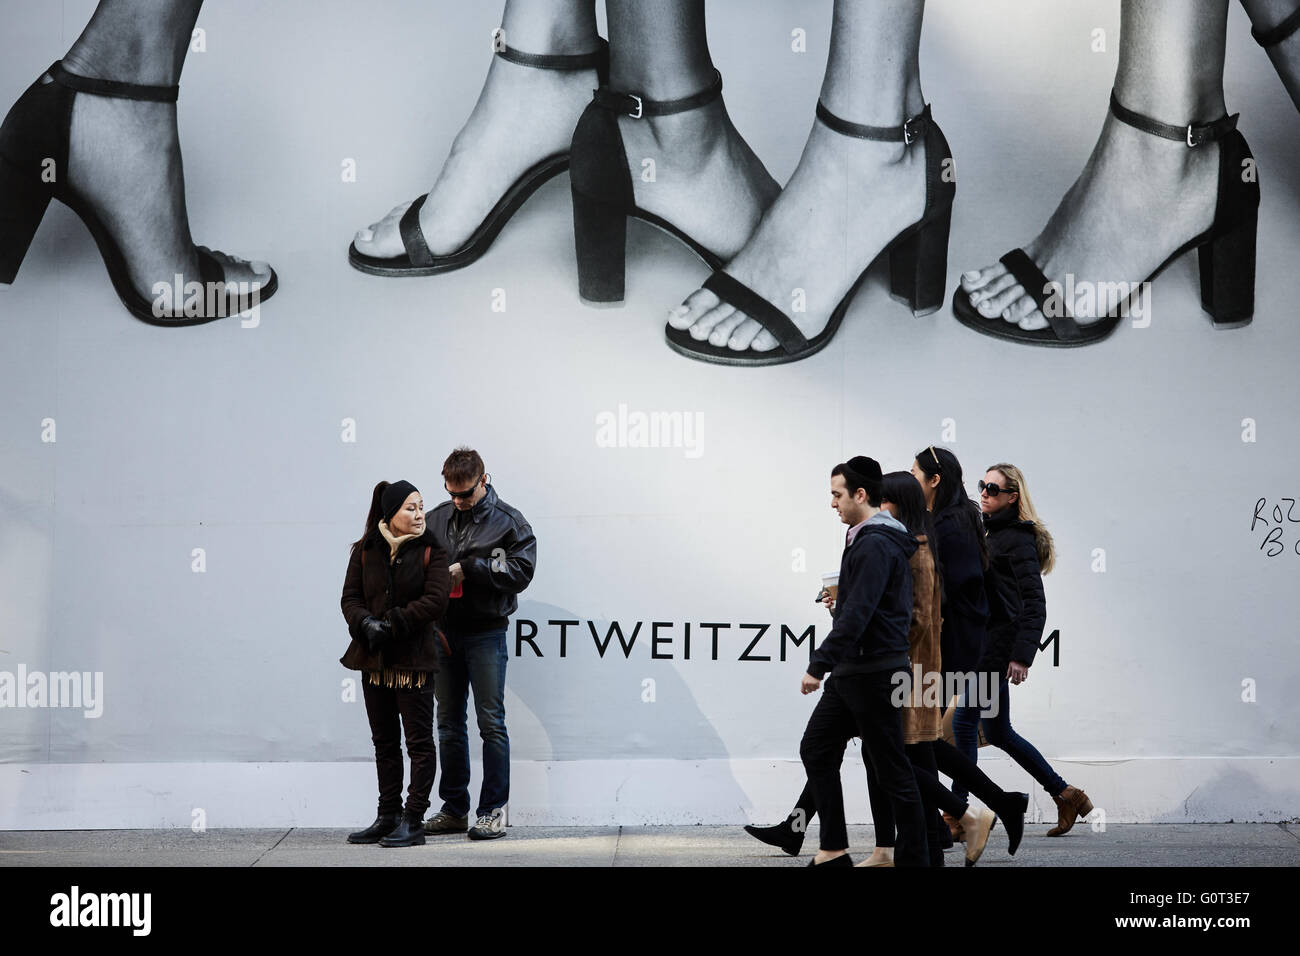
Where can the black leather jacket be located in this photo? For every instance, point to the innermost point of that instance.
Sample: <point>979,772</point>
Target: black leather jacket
<point>1013,557</point>
<point>497,550</point>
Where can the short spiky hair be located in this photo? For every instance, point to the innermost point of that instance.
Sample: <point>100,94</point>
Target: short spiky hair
<point>462,465</point>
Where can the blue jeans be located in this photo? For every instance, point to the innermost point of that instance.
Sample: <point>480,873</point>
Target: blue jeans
<point>966,719</point>
<point>478,662</point>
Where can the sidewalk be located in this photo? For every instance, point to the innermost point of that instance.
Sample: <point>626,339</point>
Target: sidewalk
<point>1135,845</point>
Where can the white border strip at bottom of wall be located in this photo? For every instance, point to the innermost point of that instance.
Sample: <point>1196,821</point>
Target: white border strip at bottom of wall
<point>96,796</point>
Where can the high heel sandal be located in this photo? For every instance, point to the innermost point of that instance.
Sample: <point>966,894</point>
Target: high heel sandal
<point>419,260</point>
<point>603,198</point>
<point>918,258</point>
<point>1226,250</point>
<point>36,133</point>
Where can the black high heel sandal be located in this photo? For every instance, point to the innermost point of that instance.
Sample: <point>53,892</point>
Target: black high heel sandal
<point>419,261</point>
<point>1226,250</point>
<point>35,132</point>
<point>918,258</point>
<point>603,198</point>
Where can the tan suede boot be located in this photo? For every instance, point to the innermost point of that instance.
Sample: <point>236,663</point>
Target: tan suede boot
<point>1073,804</point>
<point>955,827</point>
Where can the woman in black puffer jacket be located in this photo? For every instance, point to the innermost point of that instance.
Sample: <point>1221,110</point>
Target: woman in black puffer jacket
<point>395,589</point>
<point>1020,552</point>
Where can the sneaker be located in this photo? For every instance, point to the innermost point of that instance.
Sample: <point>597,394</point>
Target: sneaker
<point>443,822</point>
<point>489,826</point>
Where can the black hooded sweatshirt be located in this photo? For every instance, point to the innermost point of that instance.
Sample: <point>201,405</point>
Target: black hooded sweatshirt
<point>873,610</point>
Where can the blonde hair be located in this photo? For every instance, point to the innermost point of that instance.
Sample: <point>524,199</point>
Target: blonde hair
<point>1025,509</point>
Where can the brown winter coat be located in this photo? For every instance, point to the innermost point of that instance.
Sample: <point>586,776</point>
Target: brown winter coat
<point>399,588</point>
<point>922,722</point>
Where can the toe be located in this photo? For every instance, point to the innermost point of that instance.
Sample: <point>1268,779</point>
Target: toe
<point>697,304</point>
<point>995,304</point>
<point>1019,309</point>
<point>706,323</point>
<point>765,341</point>
<point>1034,320</point>
<point>980,297</point>
<point>977,279</point>
<point>721,333</point>
<point>383,239</point>
<point>744,334</point>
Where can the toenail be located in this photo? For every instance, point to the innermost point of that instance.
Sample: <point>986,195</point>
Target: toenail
<point>366,235</point>
<point>970,276</point>
<point>260,267</point>
<point>974,298</point>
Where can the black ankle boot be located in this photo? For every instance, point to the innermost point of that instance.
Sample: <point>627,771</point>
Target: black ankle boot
<point>383,825</point>
<point>1013,819</point>
<point>409,832</point>
<point>782,835</point>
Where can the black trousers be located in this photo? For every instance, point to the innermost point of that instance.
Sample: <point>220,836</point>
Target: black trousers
<point>392,710</point>
<point>860,705</point>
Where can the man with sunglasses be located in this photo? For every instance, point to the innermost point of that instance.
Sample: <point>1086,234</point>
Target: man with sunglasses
<point>491,552</point>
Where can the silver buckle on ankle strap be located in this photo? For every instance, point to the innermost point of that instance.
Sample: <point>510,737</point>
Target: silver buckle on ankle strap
<point>913,128</point>
<point>640,108</point>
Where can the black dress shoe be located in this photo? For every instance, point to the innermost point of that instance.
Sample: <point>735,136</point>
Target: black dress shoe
<point>782,835</point>
<point>842,860</point>
<point>1013,819</point>
<point>409,832</point>
<point>383,825</point>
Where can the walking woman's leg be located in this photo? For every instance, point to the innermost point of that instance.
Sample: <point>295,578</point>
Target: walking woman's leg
<point>847,198</point>
<point>999,732</point>
<point>1140,197</point>
<point>523,115</point>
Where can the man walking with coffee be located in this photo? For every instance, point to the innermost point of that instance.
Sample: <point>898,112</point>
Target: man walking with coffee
<point>866,647</point>
<point>491,553</point>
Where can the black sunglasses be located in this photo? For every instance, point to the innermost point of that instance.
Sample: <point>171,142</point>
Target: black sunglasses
<point>993,490</point>
<point>464,494</point>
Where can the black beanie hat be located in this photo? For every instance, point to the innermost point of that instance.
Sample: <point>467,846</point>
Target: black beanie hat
<point>394,495</point>
<point>867,471</point>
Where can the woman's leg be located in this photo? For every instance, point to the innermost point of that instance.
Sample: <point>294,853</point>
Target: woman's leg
<point>124,156</point>
<point>848,197</point>
<point>386,734</point>
<point>999,732</point>
<point>1266,15</point>
<point>523,115</point>
<point>965,732</point>
<point>416,706</point>
<point>707,181</point>
<point>1140,196</point>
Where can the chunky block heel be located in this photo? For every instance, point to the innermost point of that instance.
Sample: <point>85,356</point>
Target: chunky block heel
<point>1228,274</point>
<point>1085,808</point>
<point>918,266</point>
<point>600,240</point>
<point>22,206</point>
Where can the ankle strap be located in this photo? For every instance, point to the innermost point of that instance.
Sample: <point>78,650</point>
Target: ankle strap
<point>907,134</point>
<point>1193,134</point>
<point>597,60</point>
<point>126,91</point>
<point>636,106</point>
<point>1267,38</point>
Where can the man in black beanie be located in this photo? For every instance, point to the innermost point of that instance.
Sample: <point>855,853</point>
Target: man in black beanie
<point>866,647</point>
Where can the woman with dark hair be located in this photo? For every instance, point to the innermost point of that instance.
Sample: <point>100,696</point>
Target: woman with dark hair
<point>395,589</point>
<point>1020,552</point>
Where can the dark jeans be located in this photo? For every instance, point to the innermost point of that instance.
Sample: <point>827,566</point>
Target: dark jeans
<point>860,705</point>
<point>999,732</point>
<point>477,662</point>
<point>392,710</point>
